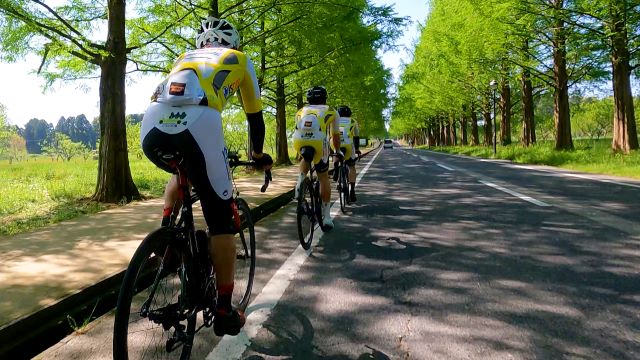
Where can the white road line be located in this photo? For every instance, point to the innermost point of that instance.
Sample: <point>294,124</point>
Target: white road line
<point>516,194</point>
<point>232,347</point>
<point>445,167</point>
<point>437,163</point>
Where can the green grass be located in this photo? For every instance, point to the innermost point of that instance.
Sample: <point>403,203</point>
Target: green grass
<point>41,191</point>
<point>592,156</point>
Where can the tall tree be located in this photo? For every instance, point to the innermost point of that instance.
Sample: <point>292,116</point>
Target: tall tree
<point>616,23</point>
<point>36,133</point>
<point>62,37</point>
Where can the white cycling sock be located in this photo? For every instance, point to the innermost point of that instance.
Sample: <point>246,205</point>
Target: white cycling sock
<point>326,207</point>
<point>300,179</point>
<point>298,184</point>
<point>326,216</point>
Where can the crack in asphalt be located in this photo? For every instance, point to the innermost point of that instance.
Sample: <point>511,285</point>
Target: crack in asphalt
<point>402,345</point>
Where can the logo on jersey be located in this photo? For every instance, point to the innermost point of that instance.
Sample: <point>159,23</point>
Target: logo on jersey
<point>178,115</point>
<point>174,120</point>
<point>227,91</point>
<point>177,89</point>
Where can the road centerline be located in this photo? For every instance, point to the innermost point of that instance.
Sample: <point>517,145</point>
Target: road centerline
<point>445,167</point>
<point>516,194</point>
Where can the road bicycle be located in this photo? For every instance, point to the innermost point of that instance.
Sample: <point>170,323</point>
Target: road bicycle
<point>309,209</point>
<point>170,279</point>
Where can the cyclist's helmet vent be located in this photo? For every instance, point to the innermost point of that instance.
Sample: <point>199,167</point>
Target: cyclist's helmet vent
<point>217,31</point>
<point>317,95</point>
<point>344,111</point>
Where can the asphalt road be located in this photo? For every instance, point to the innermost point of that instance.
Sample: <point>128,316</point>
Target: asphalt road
<point>443,258</point>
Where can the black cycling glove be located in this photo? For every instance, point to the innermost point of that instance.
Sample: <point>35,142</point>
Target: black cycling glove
<point>263,161</point>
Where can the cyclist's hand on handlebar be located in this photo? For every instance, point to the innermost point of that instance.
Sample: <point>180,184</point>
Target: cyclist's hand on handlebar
<point>263,160</point>
<point>358,152</point>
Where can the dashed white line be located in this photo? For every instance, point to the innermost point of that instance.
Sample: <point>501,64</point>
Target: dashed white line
<point>445,167</point>
<point>437,163</point>
<point>516,194</point>
<point>232,347</point>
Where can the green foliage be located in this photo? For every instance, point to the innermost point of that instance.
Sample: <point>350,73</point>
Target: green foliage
<point>61,146</point>
<point>458,53</point>
<point>133,140</point>
<point>16,147</point>
<point>4,131</point>
<point>12,144</point>
<point>465,44</point>
<point>36,133</point>
<point>79,129</point>
<point>282,39</point>
<point>592,118</point>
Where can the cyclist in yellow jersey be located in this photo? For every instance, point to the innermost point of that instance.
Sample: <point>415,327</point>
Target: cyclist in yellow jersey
<point>184,116</point>
<point>315,124</point>
<point>350,145</point>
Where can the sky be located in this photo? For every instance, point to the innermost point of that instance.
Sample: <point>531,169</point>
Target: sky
<point>27,98</point>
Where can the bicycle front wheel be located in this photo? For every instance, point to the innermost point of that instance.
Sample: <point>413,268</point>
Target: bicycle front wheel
<point>305,214</point>
<point>245,240</point>
<point>150,321</point>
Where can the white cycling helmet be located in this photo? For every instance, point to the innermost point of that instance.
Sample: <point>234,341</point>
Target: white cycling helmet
<point>217,31</point>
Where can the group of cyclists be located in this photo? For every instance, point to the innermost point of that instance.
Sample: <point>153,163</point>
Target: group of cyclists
<point>315,122</point>
<point>185,117</point>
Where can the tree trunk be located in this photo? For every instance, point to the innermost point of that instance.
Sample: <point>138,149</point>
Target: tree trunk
<point>453,136</point>
<point>625,135</point>
<point>561,115</point>
<point>528,119</point>
<point>300,98</point>
<point>214,9</point>
<point>431,139</point>
<point>488,131</point>
<point>463,126</point>
<point>505,113</point>
<point>114,182</point>
<point>282,147</point>
<point>475,137</point>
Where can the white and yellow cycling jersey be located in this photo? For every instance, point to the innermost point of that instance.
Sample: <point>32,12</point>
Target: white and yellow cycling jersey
<point>348,129</point>
<point>314,126</point>
<point>209,76</point>
<point>187,106</point>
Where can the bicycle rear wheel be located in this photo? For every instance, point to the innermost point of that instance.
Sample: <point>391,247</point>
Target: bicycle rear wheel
<point>305,214</point>
<point>150,320</point>
<point>245,241</point>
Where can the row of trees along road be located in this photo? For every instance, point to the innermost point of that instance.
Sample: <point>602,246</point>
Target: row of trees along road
<point>38,132</point>
<point>70,138</point>
<point>295,44</point>
<point>531,47</point>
